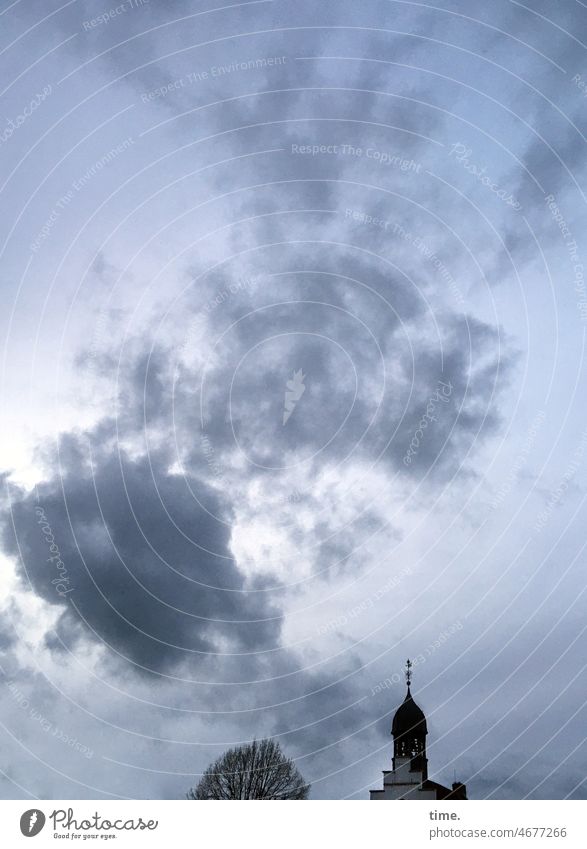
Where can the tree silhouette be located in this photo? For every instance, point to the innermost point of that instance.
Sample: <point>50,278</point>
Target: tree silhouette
<point>258,770</point>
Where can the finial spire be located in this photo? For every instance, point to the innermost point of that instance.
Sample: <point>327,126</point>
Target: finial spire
<point>408,672</point>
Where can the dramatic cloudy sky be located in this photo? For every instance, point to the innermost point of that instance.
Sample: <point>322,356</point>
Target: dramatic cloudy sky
<point>368,215</point>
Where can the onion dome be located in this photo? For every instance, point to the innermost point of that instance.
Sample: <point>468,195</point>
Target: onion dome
<point>409,719</point>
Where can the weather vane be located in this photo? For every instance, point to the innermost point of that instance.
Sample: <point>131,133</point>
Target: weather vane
<point>408,671</point>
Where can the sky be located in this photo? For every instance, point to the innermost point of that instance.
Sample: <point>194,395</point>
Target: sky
<point>293,312</point>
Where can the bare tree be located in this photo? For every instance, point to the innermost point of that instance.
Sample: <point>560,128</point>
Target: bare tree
<point>259,770</point>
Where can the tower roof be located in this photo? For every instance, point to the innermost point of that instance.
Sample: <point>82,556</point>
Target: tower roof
<point>409,719</point>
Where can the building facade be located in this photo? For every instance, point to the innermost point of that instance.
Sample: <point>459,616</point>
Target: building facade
<point>408,777</point>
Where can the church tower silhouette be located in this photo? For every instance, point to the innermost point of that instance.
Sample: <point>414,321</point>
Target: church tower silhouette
<point>408,778</point>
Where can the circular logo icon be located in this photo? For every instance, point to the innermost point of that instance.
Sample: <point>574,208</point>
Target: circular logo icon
<point>32,822</point>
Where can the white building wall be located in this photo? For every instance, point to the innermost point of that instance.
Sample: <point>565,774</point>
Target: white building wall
<point>402,783</point>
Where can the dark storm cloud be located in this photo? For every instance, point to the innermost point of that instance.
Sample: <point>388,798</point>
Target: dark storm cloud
<point>135,559</point>
<point>367,383</point>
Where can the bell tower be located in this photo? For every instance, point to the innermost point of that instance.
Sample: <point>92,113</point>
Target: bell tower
<point>409,777</point>
<point>409,732</point>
